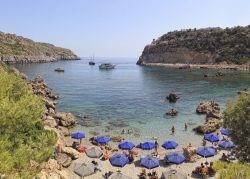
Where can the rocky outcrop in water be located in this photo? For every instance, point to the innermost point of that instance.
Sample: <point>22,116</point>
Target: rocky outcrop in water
<point>17,49</point>
<point>200,46</point>
<point>172,112</point>
<point>172,97</point>
<point>206,107</point>
<point>212,111</point>
<point>211,125</point>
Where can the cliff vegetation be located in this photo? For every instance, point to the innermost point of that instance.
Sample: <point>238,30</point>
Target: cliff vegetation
<point>24,143</point>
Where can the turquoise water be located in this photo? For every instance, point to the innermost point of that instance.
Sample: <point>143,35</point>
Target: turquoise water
<point>133,97</point>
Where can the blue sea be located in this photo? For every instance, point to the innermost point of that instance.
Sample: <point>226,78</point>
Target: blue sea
<point>132,97</point>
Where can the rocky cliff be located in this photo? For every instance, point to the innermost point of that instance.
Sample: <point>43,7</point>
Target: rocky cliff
<point>17,49</point>
<point>202,46</point>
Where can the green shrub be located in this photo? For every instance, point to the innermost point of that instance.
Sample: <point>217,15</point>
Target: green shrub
<point>232,170</point>
<point>23,139</point>
<point>237,121</point>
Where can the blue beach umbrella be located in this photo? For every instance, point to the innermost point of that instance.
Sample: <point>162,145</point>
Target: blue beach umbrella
<point>226,144</point>
<point>126,145</point>
<point>206,151</point>
<point>211,137</point>
<point>169,145</point>
<point>77,135</point>
<point>102,140</point>
<point>149,162</point>
<point>147,145</point>
<point>176,158</point>
<point>119,160</point>
<point>224,131</point>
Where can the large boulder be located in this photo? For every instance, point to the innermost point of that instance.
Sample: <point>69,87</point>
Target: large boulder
<point>64,131</point>
<point>213,114</point>
<point>53,96</point>
<point>210,126</point>
<point>51,165</point>
<point>210,106</point>
<point>50,121</point>
<point>50,104</point>
<point>65,119</point>
<point>64,160</point>
<point>172,97</point>
<point>74,154</point>
<point>52,169</point>
<point>51,111</point>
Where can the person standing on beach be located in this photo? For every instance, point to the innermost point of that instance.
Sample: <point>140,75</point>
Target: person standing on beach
<point>156,146</point>
<point>186,126</point>
<point>173,130</point>
<point>204,143</point>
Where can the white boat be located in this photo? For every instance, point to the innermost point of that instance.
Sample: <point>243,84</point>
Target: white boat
<point>106,66</point>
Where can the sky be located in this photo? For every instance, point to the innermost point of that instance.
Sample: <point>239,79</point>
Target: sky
<point>114,28</point>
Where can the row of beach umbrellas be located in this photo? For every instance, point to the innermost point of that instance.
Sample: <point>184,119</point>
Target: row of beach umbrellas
<point>102,139</point>
<point>87,169</point>
<point>149,145</point>
<point>127,145</point>
<point>215,138</point>
<point>121,160</point>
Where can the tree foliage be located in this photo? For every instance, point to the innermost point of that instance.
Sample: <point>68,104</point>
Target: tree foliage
<point>232,170</point>
<point>23,139</point>
<point>237,120</point>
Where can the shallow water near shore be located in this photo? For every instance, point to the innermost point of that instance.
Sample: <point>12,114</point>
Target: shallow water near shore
<point>133,97</point>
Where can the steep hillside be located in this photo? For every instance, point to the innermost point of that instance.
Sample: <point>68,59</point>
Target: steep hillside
<point>202,46</point>
<point>17,49</point>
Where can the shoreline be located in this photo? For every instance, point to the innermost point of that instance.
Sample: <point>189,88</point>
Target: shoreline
<point>53,168</point>
<point>199,66</point>
<point>61,125</point>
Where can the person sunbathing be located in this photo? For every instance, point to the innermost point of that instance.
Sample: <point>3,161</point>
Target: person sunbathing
<point>156,154</point>
<point>131,158</point>
<point>154,175</point>
<point>224,158</point>
<point>204,170</point>
<point>107,174</point>
<point>106,155</point>
<point>200,168</point>
<point>98,167</point>
<point>143,174</point>
<point>75,145</point>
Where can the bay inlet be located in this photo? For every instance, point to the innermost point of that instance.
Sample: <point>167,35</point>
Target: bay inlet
<point>132,97</point>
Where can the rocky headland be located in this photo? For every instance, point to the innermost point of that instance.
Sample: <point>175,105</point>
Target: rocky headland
<point>17,49</point>
<point>200,48</point>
